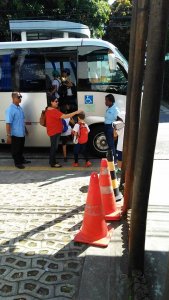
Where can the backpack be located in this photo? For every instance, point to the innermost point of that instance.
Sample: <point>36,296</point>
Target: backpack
<point>65,126</point>
<point>83,134</point>
<point>42,119</point>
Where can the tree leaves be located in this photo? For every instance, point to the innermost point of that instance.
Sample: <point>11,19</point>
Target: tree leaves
<point>93,13</point>
<point>118,29</point>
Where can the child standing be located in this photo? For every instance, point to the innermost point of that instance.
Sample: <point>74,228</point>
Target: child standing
<point>66,137</point>
<point>120,133</point>
<point>119,149</point>
<point>80,132</point>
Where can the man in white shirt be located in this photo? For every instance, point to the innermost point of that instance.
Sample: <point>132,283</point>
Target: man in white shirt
<point>111,115</point>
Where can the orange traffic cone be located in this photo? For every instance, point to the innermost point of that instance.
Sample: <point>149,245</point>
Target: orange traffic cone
<point>115,185</point>
<point>94,230</point>
<point>107,194</point>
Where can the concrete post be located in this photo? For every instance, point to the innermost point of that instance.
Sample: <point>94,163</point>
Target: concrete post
<point>65,35</point>
<point>23,36</point>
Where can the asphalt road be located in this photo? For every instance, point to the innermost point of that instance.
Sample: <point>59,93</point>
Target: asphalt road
<point>162,143</point>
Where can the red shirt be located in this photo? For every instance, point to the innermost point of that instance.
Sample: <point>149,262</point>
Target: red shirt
<point>53,121</point>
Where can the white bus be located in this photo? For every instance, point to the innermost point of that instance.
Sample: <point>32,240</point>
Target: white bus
<point>96,68</point>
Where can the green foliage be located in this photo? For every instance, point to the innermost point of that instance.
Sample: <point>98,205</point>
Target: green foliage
<point>93,13</point>
<point>118,29</point>
<point>121,8</point>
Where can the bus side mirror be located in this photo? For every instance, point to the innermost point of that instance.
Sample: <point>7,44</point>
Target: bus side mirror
<point>112,61</point>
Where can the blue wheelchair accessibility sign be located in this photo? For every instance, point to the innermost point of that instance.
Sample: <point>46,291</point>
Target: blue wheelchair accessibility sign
<point>88,99</point>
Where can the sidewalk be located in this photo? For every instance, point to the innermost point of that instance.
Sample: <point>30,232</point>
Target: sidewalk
<point>41,210</point>
<point>157,233</point>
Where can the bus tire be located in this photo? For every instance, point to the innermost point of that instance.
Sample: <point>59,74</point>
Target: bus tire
<point>97,141</point>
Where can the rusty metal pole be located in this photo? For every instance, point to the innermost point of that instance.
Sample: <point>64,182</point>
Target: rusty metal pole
<point>157,32</point>
<point>135,94</point>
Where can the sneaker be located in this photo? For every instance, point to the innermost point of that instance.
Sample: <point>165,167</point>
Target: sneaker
<point>75,165</point>
<point>20,166</point>
<point>56,166</point>
<point>88,164</point>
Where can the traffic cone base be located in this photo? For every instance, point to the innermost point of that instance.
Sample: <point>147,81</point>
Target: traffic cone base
<point>94,230</point>
<point>103,242</point>
<point>115,216</point>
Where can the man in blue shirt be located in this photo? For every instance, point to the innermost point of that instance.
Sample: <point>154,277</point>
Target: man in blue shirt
<point>15,128</point>
<point>110,116</point>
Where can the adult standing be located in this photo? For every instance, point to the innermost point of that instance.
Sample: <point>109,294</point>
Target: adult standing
<point>69,97</point>
<point>55,84</point>
<point>111,115</point>
<point>16,130</point>
<point>54,127</point>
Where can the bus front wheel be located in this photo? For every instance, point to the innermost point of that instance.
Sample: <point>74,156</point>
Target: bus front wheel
<point>97,141</point>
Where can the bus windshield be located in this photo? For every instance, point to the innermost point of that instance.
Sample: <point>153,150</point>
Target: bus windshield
<point>95,72</point>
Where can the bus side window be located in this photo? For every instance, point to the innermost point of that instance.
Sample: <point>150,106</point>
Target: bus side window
<point>83,69</point>
<point>117,81</point>
<point>29,72</point>
<point>118,75</point>
<point>5,73</point>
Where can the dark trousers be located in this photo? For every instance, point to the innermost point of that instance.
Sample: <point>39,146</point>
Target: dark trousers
<point>54,140</point>
<point>17,148</point>
<point>108,130</point>
<point>80,148</point>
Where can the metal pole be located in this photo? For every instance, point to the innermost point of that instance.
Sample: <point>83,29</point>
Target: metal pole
<point>157,32</point>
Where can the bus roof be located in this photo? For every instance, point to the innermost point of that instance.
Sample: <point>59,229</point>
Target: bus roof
<point>52,27</point>
<point>62,42</point>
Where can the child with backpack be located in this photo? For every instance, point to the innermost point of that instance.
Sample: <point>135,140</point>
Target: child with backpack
<point>80,132</point>
<point>66,134</point>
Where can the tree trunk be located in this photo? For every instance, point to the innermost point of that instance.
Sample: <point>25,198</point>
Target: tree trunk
<point>135,98</point>
<point>148,130</point>
<point>129,87</point>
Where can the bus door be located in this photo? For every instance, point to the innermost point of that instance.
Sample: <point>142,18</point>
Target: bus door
<point>57,60</point>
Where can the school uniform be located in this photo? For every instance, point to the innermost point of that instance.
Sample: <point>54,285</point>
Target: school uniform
<point>111,116</point>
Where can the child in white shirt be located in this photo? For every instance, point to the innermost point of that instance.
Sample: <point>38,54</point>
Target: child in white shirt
<point>65,138</point>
